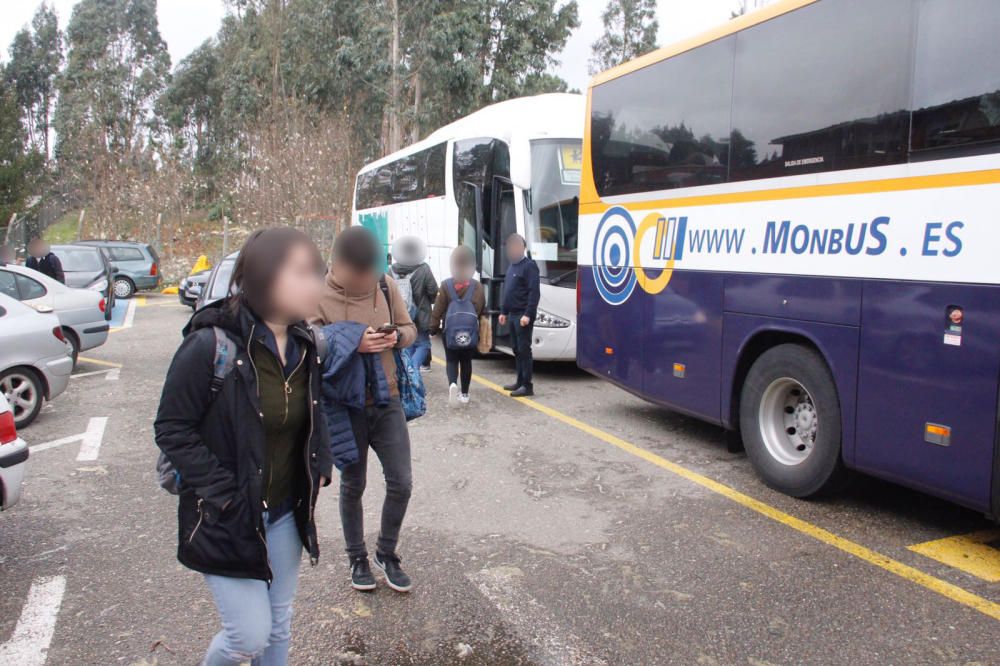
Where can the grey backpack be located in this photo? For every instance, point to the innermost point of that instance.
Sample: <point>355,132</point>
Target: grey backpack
<point>225,358</point>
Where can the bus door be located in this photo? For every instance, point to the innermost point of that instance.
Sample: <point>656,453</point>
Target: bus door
<point>479,213</point>
<point>927,394</point>
<point>503,218</point>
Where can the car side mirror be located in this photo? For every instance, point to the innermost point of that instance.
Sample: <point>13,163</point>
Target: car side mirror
<point>44,309</point>
<point>115,271</point>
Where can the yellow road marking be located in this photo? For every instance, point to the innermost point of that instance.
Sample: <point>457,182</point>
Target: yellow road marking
<point>932,583</point>
<point>139,301</point>
<point>110,364</point>
<point>966,552</point>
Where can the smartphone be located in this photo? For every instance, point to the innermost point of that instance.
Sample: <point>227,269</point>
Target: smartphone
<point>386,329</point>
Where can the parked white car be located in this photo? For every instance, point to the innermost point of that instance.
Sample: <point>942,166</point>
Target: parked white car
<point>83,313</point>
<point>35,359</point>
<point>13,457</point>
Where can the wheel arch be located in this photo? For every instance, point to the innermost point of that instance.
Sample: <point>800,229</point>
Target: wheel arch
<point>752,348</point>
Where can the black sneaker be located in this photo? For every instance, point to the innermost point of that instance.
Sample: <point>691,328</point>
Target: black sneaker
<point>523,392</point>
<point>512,387</point>
<point>361,574</point>
<point>394,575</point>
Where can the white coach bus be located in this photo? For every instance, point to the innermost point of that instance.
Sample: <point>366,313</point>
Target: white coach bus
<point>511,167</point>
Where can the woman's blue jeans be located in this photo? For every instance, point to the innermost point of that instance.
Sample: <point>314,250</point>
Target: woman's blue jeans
<point>420,350</point>
<point>257,621</point>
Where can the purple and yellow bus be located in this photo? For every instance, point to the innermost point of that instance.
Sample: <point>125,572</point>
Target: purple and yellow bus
<point>790,227</point>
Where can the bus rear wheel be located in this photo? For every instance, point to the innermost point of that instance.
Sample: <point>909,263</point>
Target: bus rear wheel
<point>790,421</point>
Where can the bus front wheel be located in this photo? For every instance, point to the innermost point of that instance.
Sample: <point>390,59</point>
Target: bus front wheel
<point>790,421</point>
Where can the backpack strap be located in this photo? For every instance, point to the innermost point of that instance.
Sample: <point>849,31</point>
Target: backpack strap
<point>384,286</point>
<point>319,341</point>
<point>225,358</point>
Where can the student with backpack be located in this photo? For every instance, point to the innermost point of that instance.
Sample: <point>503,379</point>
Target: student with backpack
<point>418,288</point>
<point>246,446</point>
<point>356,292</point>
<point>460,302</point>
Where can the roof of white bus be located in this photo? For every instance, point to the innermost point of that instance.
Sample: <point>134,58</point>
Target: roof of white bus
<point>556,115</point>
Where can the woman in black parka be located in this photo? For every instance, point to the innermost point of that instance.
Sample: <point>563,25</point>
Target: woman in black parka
<point>252,451</point>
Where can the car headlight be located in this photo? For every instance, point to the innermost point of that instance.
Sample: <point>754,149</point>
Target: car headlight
<point>100,285</point>
<point>546,320</point>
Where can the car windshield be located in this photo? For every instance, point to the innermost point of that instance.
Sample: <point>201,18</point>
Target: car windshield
<point>80,259</point>
<point>220,288</point>
<point>553,218</point>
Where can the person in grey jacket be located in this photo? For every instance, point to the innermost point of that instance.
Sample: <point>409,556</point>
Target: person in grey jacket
<point>410,253</point>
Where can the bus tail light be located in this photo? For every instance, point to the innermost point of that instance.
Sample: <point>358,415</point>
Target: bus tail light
<point>935,433</point>
<point>680,370</point>
<point>609,351</point>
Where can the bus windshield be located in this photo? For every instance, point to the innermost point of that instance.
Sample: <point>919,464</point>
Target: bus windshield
<point>552,208</point>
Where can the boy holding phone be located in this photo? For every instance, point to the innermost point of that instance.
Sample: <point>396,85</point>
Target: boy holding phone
<point>353,293</point>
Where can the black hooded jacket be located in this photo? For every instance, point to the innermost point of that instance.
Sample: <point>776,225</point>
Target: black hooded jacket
<point>217,446</point>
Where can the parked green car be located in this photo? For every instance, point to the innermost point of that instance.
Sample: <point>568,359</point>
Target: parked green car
<point>137,265</point>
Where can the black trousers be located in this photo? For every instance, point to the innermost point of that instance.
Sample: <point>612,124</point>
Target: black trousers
<point>383,430</point>
<point>459,361</point>
<point>521,339</point>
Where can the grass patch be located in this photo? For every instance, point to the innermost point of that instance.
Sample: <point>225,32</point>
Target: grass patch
<point>63,231</point>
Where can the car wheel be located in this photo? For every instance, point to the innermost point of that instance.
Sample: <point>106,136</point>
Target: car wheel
<point>124,288</point>
<point>74,342</point>
<point>25,392</point>
<point>790,421</point>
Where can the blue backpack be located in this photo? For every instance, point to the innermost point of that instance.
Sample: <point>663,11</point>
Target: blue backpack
<point>461,321</point>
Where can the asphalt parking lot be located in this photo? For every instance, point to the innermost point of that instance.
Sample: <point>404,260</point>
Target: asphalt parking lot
<point>581,527</point>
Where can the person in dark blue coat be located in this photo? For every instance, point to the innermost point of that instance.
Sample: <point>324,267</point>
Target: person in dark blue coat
<point>521,288</point>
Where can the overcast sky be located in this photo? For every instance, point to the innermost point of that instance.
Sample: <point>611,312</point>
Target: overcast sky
<point>185,24</point>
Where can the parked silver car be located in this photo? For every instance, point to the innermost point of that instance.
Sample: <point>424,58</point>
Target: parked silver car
<point>35,359</point>
<point>13,456</point>
<point>191,286</point>
<point>83,313</point>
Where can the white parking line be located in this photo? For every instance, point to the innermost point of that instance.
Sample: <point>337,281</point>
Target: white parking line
<point>90,440</point>
<point>91,444</point>
<point>29,644</point>
<point>532,622</point>
<point>129,314</point>
<point>112,374</point>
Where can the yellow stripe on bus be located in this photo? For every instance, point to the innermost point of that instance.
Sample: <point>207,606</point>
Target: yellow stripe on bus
<point>912,574</point>
<point>906,183</point>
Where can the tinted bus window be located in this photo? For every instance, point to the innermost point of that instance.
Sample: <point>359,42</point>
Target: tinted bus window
<point>956,89</point>
<point>417,176</point>
<point>666,125</point>
<point>478,161</point>
<point>824,88</point>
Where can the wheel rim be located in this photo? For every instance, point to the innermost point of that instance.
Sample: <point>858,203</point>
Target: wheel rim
<point>788,421</point>
<point>122,288</point>
<point>20,393</point>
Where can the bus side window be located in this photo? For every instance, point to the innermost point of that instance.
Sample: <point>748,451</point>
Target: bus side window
<point>956,100</point>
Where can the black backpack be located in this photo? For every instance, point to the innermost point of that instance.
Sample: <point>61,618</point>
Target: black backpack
<point>225,357</point>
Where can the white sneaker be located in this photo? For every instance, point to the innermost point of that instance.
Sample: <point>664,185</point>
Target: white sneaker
<point>452,394</point>
<point>464,398</point>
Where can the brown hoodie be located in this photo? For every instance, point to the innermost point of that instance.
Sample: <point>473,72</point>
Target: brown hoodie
<point>372,310</point>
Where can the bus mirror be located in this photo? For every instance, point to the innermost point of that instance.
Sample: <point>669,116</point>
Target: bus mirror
<point>520,162</point>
